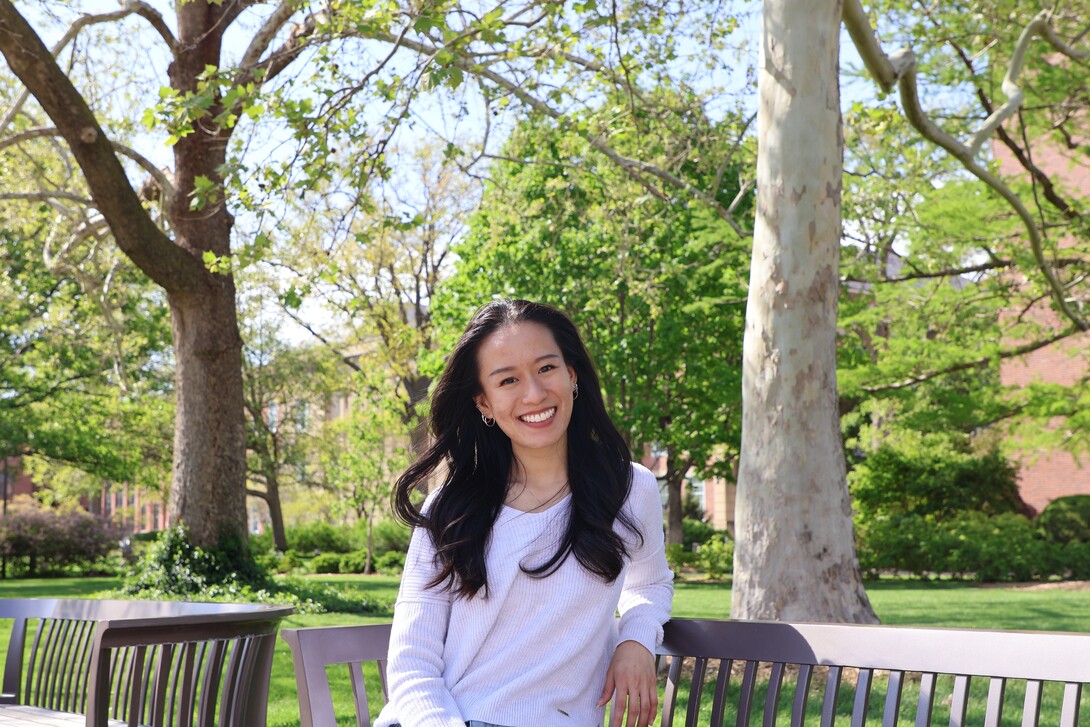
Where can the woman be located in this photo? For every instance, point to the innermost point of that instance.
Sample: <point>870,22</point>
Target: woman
<point>542,530</point>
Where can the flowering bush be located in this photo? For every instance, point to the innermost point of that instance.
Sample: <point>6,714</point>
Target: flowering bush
<point>36,539</point>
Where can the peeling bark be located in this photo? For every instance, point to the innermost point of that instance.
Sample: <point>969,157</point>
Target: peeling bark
<point>794,550</point>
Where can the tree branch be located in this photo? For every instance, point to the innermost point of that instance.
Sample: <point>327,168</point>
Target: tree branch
<point>975,363</point>
<point>43,196</point>
<point>266,33</point>
<point>157,174</point>
<point>900,70</point>
<point>944,273</point>
<point>138,236</point>
<point>154,17</point>
<point>635,168</point>
<point>73,30</point>
<point>281,58</point>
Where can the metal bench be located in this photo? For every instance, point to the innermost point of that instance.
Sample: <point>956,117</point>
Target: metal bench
<point>752,672</point>
<point>157,663</point>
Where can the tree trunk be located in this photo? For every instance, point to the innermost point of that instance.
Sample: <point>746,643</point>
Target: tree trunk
<point>419,438</point>
<point>368,565</point>
<point>794,551</point>
<point>675,530</point>
<point>207,491</point>
<point>271,497</point>
<point>276,516</point>
<point>208,487</point>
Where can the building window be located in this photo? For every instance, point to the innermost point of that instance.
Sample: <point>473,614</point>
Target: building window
<point>696,488</point>
<point>272,415</point>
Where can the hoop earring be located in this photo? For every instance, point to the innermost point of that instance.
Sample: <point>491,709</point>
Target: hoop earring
<point>488,422</point>
<point>575,392</point>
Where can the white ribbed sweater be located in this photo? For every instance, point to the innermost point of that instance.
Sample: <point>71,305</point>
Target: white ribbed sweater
<point>535,651</point>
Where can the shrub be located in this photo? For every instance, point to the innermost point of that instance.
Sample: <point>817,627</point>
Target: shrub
<point>1000,548</point>
<point>898,542</point>
<point>1066,520</point>
<point>268,561</point>
<point>1003,547</point>
<point>326,563</point>
<point>933,474</point>
<point>1073,560</point>
<point>691,509</point>
<point>354,562</point>
<point>173,567</point>
<point>176,569</point>
<point>716,557</point>
<point>261,543</point>
<point>319,537</point>
<point>38,539</point>
<point>679,557</point>
<point>390,563</point>
<point>391,535</point>
<point>695,532</point>
<point>290,561</point>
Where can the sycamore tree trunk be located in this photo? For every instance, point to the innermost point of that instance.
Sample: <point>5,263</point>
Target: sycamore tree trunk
<point>794,555</point>
<point>207,489</point>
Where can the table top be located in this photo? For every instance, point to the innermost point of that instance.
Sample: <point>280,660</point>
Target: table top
<point>20,715</point>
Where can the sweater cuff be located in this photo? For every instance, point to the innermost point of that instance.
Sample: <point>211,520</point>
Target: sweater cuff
<point>646,633</point>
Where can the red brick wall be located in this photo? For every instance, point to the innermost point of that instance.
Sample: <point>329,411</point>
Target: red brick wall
<point>1047,474</point>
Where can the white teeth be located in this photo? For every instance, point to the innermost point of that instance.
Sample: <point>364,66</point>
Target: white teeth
<point>538,418</point>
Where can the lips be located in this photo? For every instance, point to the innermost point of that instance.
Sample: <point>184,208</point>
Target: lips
<point>539,417</point>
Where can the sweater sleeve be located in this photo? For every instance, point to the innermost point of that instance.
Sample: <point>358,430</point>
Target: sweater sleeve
<point>414,671</point>
<point>648,589</point>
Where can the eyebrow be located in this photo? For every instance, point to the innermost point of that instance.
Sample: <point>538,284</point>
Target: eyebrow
<point>539,359</point>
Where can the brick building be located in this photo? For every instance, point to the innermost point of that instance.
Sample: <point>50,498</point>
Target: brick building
<point>1048,473</point>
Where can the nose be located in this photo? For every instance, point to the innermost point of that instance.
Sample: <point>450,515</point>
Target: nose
<point>534,391</point>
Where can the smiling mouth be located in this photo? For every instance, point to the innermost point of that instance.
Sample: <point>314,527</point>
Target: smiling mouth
<point>540,417</point>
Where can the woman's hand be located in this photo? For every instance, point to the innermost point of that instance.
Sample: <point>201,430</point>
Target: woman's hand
<point>632,684</point>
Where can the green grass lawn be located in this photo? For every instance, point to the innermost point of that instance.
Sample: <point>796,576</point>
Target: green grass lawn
<point>942,603</point>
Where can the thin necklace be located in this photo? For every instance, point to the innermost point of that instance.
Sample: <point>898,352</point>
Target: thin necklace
<point>538,507</point>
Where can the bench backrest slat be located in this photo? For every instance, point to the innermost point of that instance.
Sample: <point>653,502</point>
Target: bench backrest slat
<point>1069,712</point>
<point>1031,709</point>
<point>993,716</point>
<point>925,703</point>
<point>359,692</point>
<point>891,714</point>
<point>722,684</point>
<point>802,690</point>
<point>772,695</point>
<point>745,695</point>
<point>832,692</point>
<point>77,679</point>
<point>670,691</point>
<point>700,670</point>
<point>862,697</point>
<point>959,701</point>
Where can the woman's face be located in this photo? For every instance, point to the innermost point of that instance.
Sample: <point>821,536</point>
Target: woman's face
<point>527,388</point>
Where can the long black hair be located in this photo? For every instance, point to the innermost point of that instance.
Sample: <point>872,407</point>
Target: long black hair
<point>478,462</point>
